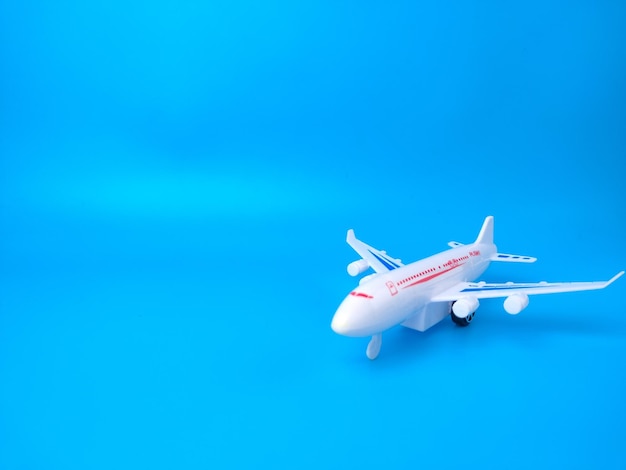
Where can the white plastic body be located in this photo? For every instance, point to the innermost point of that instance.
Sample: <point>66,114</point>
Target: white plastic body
<point>431,314</point>
<point>419,295</point>
<point>367,278</point>
<point>357,267</point>
<point>373,348</point>
<point>415,285</point>
<point>515,303</point>
<point>464,306</point>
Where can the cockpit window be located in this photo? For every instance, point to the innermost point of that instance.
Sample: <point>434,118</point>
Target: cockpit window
<point>360,294</point>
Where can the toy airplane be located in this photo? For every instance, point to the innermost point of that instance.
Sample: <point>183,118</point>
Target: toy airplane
<point>421,294</point>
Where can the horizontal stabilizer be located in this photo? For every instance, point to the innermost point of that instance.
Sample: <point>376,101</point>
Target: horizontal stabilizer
<point>513,258</point>
<point>455,244</point>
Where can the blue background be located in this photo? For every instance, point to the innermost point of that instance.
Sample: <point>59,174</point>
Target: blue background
<point>177,179</point>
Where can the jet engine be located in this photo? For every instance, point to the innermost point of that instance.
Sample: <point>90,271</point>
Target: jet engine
<point>357,267</point>
<point>515,303</point>
<point>465,306</point>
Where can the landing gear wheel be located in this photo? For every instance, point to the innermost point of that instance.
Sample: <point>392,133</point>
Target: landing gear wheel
<point>462,321</point>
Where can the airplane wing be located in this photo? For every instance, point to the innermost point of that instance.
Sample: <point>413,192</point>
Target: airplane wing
<point>376,259</point>
<point>483,290</point>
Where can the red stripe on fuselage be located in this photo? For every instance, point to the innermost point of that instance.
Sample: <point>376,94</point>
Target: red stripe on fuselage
<point>361,294</point>
<point>428,278</point>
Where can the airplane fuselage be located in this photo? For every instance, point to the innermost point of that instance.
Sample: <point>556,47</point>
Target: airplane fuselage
<point>402,295</point>
<point>423,293</point>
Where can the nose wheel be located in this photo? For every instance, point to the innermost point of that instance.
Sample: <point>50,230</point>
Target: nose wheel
<point>462,321</point>
<point>373,348</point>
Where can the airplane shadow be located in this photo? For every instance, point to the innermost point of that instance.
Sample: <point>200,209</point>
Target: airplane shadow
<point>532,330</point>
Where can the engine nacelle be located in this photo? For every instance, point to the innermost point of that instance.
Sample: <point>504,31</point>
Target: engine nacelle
<point>464,306</point>
<point>515,303</point>
<point>357,267</point>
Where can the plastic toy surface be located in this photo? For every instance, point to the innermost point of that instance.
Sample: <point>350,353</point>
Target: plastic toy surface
<point>421,294</point>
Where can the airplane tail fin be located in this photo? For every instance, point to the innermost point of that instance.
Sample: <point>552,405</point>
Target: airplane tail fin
<point>486,236</point>
<point>486,232</point>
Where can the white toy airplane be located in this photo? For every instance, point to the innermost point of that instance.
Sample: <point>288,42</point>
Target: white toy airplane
<point>421,294</point>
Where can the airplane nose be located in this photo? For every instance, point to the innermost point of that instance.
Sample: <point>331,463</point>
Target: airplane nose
<point>352,319</point>
<point>340,323</point>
